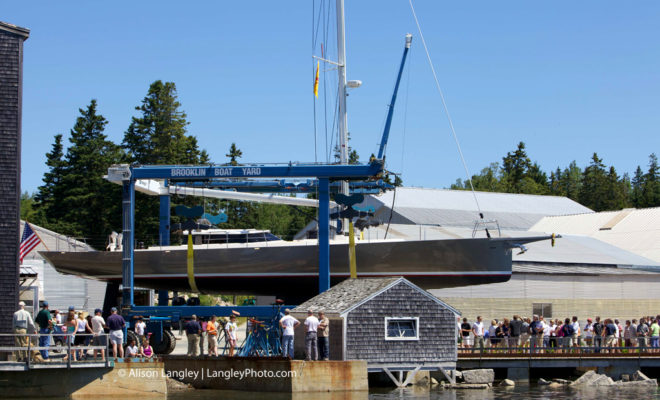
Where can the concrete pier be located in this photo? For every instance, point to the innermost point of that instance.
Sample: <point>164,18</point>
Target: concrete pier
<point>521,367</point>
<point>143,379</point>
<point>268,374</point>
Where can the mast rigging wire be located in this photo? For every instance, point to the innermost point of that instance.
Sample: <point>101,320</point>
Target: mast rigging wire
<point>444,105</point>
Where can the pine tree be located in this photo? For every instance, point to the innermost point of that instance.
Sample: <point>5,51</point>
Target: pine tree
<point>593,192</point>
<point>616,192</point>
<point>636,198</point>
<point>514,167</point>
<point>571,181</point>
<point>158,135</point>
<point>234,154</point>
<point>650,196</point>
<point>91,203</point>
<point>49,196</point>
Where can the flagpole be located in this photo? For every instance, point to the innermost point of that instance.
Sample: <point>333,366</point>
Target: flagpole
<point>40,239</point>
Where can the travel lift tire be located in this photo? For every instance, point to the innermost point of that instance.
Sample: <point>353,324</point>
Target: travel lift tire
<point>167,345</point>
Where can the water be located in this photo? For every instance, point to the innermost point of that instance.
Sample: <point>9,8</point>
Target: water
<point>519,392</point>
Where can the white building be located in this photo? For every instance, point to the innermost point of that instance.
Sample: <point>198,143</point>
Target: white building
<point>602,265</point>
<point>60,290</point>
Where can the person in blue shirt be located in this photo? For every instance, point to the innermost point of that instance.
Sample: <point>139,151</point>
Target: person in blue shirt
<point>116,325</point>
<point>193,330</point>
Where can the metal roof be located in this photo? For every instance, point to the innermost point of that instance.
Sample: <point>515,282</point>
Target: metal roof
<point>568,250</point>
<point>52,241</point>
<point>28,272</point>
<point>530,268</point>
<point>635,230</point>
<point>458,208</point>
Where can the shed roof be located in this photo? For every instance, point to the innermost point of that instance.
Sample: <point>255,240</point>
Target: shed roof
<point>350,293</point>
<point>458,208</point>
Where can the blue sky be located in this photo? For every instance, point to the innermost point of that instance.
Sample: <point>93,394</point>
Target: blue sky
<point>567,78</point>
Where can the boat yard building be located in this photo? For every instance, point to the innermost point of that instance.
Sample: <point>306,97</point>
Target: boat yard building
<point>604,263</point>
<point>60,290</point>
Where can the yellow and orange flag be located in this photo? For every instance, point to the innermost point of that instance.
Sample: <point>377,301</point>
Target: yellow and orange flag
<point>316,81</point>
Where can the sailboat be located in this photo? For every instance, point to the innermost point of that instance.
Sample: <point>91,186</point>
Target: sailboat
<point>257,263</point>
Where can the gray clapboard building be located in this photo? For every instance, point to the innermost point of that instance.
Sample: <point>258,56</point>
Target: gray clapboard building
<point>389,322</point>
<point>11,88</point>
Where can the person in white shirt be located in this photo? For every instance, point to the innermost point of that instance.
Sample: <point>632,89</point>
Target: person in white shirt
<point>230,330</point>
<point>23,324</point>
<point>132,349</point>
<point>139,329</point>
<point>576,332</point>
<point>99,338</point>
<point>58,317</point>
<point>478,332</point>
<point>288,324</point>
<point>589,332</point>
<point>311,345</point>
<point>546,333</point>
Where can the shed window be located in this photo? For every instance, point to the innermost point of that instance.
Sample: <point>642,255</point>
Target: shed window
<point>402,328</point>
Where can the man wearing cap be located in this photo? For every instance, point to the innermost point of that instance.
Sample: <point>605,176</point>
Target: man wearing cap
<point>23,324</point>
<point>288,324</point>
<point>193,329</point>
<point>99,338</point>
<point>116,325</point>
<point>45,322</point>
<point>311,342</point>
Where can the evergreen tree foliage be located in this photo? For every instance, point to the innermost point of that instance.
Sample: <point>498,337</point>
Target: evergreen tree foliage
<point>75,199</point>
<point>636,198</point>
<point>89,201</point>
<point>27,207</point>
<point>158,135</point>
<point>234,154</point>
<point>598,187</point>
<point>650,193</point>
<point>49,195</point>
<point>594,185</point>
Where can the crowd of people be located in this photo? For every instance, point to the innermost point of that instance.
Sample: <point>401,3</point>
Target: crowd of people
<point>607,335</point>
<point>76,330</point>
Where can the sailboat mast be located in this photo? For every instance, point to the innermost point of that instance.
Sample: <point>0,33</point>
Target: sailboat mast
<point>341,71</point>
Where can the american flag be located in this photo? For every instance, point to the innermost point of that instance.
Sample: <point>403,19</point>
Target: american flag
<point>29,241</point>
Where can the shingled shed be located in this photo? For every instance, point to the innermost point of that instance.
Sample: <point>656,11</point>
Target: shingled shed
<point>391,323</point>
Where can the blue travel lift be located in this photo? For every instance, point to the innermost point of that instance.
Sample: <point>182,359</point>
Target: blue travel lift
<point>363,178</point>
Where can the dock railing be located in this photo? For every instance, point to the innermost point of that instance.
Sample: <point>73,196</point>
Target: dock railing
<point>552,348</point>
<point>28,353</point>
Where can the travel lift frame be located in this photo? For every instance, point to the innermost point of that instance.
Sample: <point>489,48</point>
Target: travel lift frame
<point>128,175</point>
<point>237,178</point>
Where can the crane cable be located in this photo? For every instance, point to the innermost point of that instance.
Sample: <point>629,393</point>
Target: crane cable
<point>444,105</point>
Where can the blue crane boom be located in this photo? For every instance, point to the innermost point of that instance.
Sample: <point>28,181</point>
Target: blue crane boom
<point>390,111</point>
